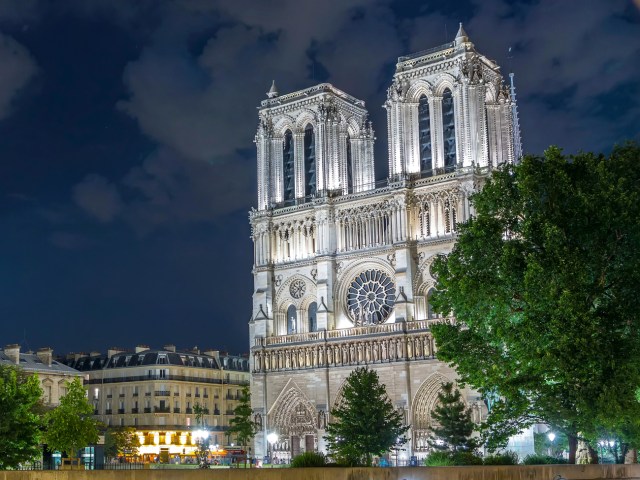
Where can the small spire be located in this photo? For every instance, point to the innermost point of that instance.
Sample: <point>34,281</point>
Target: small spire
<point>273,91</point>
<point>461,36</point>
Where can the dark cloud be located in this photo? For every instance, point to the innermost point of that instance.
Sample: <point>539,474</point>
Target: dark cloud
<point>18,67</point>
<point>98,197</point>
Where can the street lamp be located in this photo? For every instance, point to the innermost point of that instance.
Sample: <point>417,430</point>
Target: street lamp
<point>551,436</point>
<point>272,438</point>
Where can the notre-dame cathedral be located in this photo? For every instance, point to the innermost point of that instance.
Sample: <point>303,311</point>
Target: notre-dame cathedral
<point>342,262</point>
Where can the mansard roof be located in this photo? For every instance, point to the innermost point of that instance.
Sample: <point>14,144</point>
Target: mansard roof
<point>149,357</point>
<point>316,90</point>
<point>32,363</point>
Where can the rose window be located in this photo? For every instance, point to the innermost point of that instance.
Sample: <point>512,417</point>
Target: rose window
<point>370,297</point>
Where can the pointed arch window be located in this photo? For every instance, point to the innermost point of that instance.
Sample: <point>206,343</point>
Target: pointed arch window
<point>349,165</point>
<point>292,320</point>
<point>287,166</point>
<point>424,128</point>
<point>449,131</point>
<point>313,317</point>
<point>309,161</point>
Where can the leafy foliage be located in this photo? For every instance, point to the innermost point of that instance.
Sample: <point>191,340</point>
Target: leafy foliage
<point>505,458</point>
<point>203,443</point>
<point>365,424</point>
<point>543,283</point>
<point>541,460</point>
<point>242,425</point>
<point>453,426</point>
<point>69,426</point>
<point>20,395</point>
<point>308,459</point>
<point>439,459</point>
<point>121,441</point>
<point>544,446</point>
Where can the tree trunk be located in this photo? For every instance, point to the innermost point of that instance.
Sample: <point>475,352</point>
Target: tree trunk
<point>593,454</point>
<point>573,447</point>
<point>631,456</point>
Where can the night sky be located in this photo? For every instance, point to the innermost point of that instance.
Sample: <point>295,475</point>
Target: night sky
<point>127,163</point>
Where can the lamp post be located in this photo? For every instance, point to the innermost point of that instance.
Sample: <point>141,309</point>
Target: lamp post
<point>272,438</point>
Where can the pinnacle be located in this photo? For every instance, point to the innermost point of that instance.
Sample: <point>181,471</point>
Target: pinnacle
<point>461,36</point>
<point>273,91</point>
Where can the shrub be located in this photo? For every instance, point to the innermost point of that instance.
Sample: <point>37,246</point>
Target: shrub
<point>308,459</point>
<point>504,458</point>
<point>466,458</point>
<point>439,459</point>
<point>542,460</point>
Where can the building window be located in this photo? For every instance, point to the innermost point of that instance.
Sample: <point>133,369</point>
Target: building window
<point>313,313</point>
<point>292,320</point>
<point>309,162</point>
<point>424,128</point>
<point>449,131</point>
<point>288,166</point>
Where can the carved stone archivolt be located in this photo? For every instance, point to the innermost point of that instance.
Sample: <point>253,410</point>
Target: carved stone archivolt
<point>403,347</point>
<point>293,414</point>
<point>423,404</point>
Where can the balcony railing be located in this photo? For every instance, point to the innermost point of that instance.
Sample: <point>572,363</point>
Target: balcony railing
<point>188,410</point>
<point>176,410</point>
<point>216,411</point>
<point>166,378</point>
<point>147,409</point>
<point>121,411</point>
<point>108,412</point>
<point>161,410</point>
<point>134,410</point>
<point>162,393</point>
<point>121,395</point>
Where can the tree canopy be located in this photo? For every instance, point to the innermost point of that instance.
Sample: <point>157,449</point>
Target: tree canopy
<point>543,281</point>
<point>365,423</point>
<point>453,427</point>
<point>20,395</point>
<point>121,441</point>
<point>70,427</point>
<point>242,425</point>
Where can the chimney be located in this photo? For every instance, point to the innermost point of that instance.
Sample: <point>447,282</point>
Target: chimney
<point>195,350</point>
<point>114,350</point>
<point>45,355</point>
<point>170,348</point>
<point>13,352</point>
<point>141,348</point>
<point>212,353</point>
<point>94,354</point>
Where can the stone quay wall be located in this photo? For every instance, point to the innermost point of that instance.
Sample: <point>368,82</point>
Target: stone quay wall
<point>537,472</point>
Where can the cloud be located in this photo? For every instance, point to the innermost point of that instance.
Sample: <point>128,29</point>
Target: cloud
<point>18,67</point>
<point>98,197</point>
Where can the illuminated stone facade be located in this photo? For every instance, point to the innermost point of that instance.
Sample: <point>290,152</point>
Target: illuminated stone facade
<point>155,391</point>
<point>342,264</point>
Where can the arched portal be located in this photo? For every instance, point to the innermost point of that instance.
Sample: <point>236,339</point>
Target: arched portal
<point>423,404</point>
<point>293,418</point>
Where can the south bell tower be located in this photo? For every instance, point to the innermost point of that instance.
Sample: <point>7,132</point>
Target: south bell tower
<point>342,264</point>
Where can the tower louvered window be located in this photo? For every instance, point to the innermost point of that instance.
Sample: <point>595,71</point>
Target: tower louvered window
<point>424,127</point>
<point>309,161</point>
<point>313,315</point>
<point>287,166</point>
<point>449,131</point>
<point>349,166</point>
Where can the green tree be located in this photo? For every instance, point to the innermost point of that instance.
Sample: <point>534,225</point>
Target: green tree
<point>70,427</point>
<point>543,283</point>
<point>203,446</point>
<point>365,423</point>
<point>242,425</point>
<point>20,395</point>
<point>453,425</point>
<point>121,441</point>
